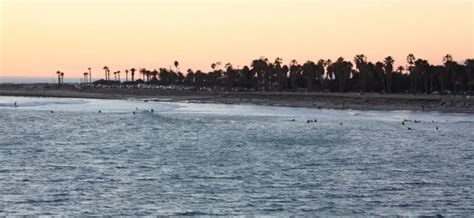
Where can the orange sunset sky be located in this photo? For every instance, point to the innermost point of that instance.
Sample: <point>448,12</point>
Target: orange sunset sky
<point>39,37</point>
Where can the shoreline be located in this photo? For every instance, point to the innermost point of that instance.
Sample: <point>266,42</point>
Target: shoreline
<point>341,101</point>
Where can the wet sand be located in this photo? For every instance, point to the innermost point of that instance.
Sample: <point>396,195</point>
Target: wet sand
<point>368,101</point>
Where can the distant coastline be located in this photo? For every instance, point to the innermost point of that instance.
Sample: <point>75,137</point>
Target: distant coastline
<point>33,80</point>
<point>355,101</point>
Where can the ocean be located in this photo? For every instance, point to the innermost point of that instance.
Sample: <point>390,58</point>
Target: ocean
<point>63,157</point>
<point>29,80</point>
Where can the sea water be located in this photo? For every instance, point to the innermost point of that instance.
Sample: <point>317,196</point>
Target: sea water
<point>63,157</point>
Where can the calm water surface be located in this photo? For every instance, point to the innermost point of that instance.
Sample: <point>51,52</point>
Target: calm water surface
<point>206,159</point>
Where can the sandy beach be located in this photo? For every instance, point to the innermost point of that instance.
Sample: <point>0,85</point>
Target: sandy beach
<point>356,101</point>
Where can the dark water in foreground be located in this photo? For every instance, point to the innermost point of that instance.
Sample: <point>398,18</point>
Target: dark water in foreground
<point>190,159</point>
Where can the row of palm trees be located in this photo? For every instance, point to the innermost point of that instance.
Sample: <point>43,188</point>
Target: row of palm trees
<point>361,75</point>
<point>60,77</point>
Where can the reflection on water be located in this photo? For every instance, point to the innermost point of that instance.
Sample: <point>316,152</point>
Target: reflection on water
<point>192,159</point>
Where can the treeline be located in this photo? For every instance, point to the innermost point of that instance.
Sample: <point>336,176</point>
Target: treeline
<point>360,75</point>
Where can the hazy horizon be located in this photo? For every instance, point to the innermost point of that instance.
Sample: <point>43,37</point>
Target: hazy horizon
<point>41,37</point>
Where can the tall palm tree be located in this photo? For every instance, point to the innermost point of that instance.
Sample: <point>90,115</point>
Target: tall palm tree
<point>327,63</point>
<point>309,72</point>
<point>259,66</point>
<point>294,71</point>
<point>107,72</point>
<point>379,69</point>
<point>388,66</point>
<point>62,78</point>
<point>470,72</point>
<point>229,76</point>
<point>361,64</point>
<point>85,77</point>
<point>342,71</point>
<point>451,70</point>
<point>421,71</point>
<point>413,77</point>
<point>132,73</point>
<point>176,64</point>
<point>143,72</point>
<point>58,73</point>
<point>400,70</point>
<point>126,75</point>
<point>90,75</point>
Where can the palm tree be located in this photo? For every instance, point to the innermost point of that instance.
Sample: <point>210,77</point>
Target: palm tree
<point>327,63</point>
<point>451,71</point>
<point>388,66</point>
<point>126,75</point>
<point>176,64</point>
<point>118,73</point>
<point>342,70</point>
<point>421,71</point>
<point>470,72</point>
<point>447,57</point>
<point>229,76</point>
<point>379,69</point>
<point>309,73</point>
<point>62,78</point>
<point>400,70</point>
<point>413,77</point>
<point>189,80</point>
<point>259,66</point>
<point>85,77</point>
<point>440,72</point>
<point>58,73</point>
<point>143,72</point>
<point>107,72</point>
<point>90,75</point>
<point>132,73</point>
<point>294,71</point>
<point>361,64</point>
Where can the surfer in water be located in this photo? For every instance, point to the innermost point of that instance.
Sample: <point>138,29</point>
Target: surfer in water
<point>15,104</point>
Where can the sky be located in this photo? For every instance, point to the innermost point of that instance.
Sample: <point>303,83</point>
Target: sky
<point>40,37</point>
